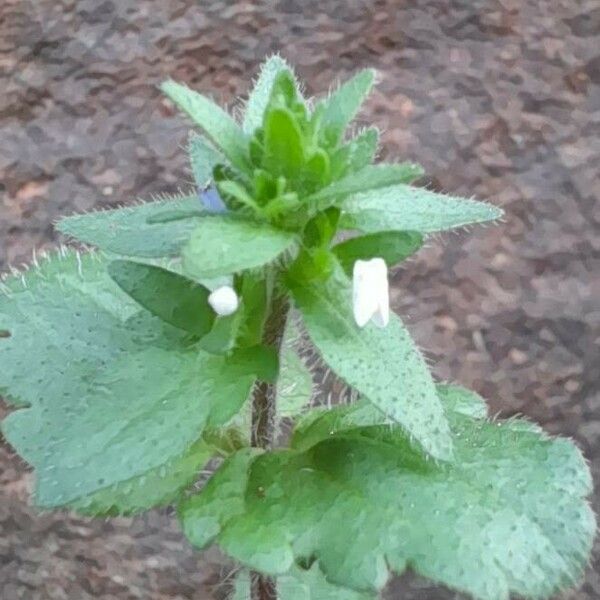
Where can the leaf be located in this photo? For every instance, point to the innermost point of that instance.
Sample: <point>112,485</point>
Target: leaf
<point>392,246</point>
<point>261,93</point>
<point>384,365</point>
<point>283,145</point>
<point>321,423</point>
<point>408,208</point>
<point>222,337</point>
<point>295,383</point>
<point>255,296</point>
<point>507,516</point>
<point>220,127</point>
<point>175,299</point>
<point>372,177</point>
<point>221,245</point>
<point>461,400</point>
<point>129,231</point>
<point>203,158</point>
<point>157,487</point>
<point>299,584</point>
<point>356,154</point>
<point>341,107</point>
<point>112,394</point>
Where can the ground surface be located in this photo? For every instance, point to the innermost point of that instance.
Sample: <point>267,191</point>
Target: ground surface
<point>499,99</point>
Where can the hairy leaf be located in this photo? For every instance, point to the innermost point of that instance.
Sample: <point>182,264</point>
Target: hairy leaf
<point>384,365</point>
<point>355,154</point>
<point>203,158</point>
<point>220,127</point>
<point>173,298</point>
<point>372,177</point>
<point>111,393</point>
<point>392,246</point>
<point>157,487</point>
<point>261,93</point>
<point>408,208</point>
<point>221,245</point>
<point>507,516</point>
<point>341,107</point>
<point>129,231</point>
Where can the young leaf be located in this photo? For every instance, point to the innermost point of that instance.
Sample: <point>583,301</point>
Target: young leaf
<point>203,158</point>
<point>408,208</point>
<point>392,246</point>
<point>355,154</point>
<point>103,406</point>
<point>372,177</point>
<point>221,245</point>
<point>507,516</point>
<point>173,298</point>
<point>220,127</point>
<point>384,365</point>
<point>261,93</point>
<point>283,144</point>
<point>341,107</point>
<point>295,384</point>
<point>255,294</point>
<point>130,231</point>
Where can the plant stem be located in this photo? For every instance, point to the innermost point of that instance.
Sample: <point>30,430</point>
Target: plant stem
<point>263,417</point>
<point>263,401</point>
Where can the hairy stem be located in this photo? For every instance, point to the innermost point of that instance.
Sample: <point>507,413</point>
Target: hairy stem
<point>263,417</point>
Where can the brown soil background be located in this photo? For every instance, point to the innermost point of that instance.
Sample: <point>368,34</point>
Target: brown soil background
<point>496,98</point>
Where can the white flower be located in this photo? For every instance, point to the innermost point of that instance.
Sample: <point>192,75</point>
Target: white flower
<point>224,300</point>
<point>370,292</point>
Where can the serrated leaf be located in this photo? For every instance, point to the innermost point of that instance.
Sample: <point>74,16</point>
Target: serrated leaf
<point>507,516</point>
<point>173,298</point>
<point>220,127</point>
<point>157,487</point>
<point>283,144</point>
<point>261,93</point>
<point>221,245</point>
<point>392,246</point>
<point>384,365</point>
<point>129,231</point>
<point>104,406</point>
<point>203,159</point>
<point>372,177</point>
<point>299,584</point>
<point>408,208</point>
<point>341,107</point>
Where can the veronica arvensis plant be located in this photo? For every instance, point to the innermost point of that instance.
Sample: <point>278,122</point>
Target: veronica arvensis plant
<point>132,366</point>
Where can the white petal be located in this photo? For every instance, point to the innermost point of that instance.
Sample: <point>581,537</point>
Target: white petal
<point>371,297</point>
<point>224,300</point>
<point>382,315</point>
<point>364,302</point>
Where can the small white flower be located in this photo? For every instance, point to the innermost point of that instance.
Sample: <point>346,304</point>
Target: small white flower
<point>224,300</point>
<point>370,292</point>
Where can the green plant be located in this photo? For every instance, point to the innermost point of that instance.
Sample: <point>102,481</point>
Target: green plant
<point>133,366</point>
